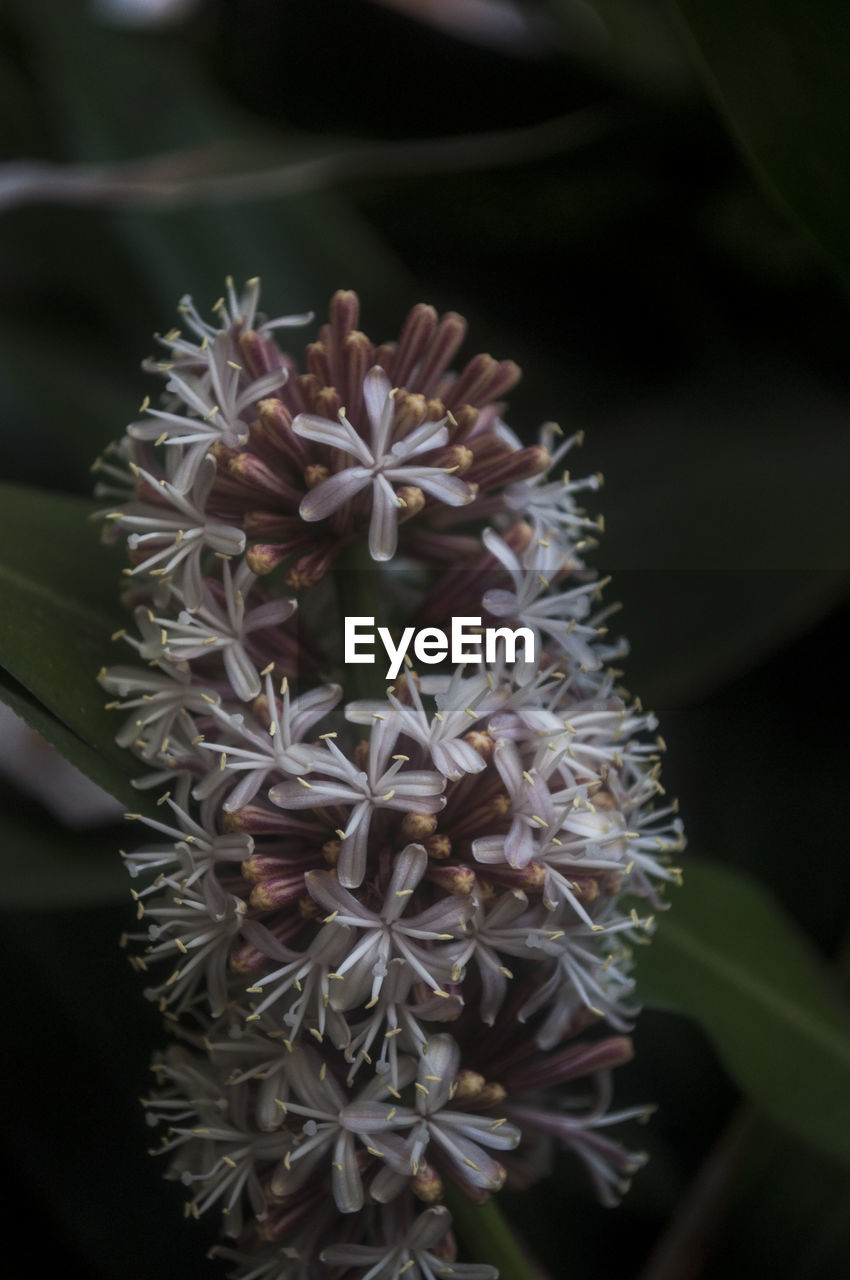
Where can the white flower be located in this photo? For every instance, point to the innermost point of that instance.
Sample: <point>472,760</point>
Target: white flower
<point>508,928</point>
<point>196,928</point>
<point>272,751</point>
<point>364,792</point>
<point>220,401</point>
<point>475,884</point>
<point>610,1164</point>
<point>232,310</point>
<point>219,1152</point>
<point>328,1140</point>
<point>461,1137</point>
<point>404,1020</point>
<point>410,1254</point>
<point>177,534</point>
<point>308,973</point>
<point>224,630</point>
<point>583,977</point>
<point>203,847</point>
<point>460,704</point>
<point>535,604</point>
<point>163,698</point>
<point>382,465</point>
<point>532,809</point>
<point>389,934</point>
<point>548,504</point>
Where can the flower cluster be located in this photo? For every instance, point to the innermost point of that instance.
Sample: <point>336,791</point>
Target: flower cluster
<point>386,929</point>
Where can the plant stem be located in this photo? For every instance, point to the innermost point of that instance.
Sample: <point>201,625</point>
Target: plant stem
<point>487,1237</point>
<point>684,1250</point>
<point>217,173</point>
<point>358,584</point>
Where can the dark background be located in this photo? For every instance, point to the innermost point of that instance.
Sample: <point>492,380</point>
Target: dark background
<point>656,295</point>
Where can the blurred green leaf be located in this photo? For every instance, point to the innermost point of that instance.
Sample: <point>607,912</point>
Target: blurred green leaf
<point>742,469</point>
<point>94,78</point>
<point>633,38</point>
<point>110,776</point>
<point>45,866</point>
<point>60,608</point>
<point>727,524</point>
<point>779,71</point>
<point>83,405</point>
<point>74,276</point>
<point>489,1237</point>
<point>729,957</point>
<point>691,633</point>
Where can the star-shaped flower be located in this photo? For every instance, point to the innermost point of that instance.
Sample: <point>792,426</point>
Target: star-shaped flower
<point>381,464</point>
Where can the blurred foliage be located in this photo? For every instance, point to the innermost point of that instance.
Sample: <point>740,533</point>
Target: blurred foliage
<point>790,1212</point>
<point>673,284</point>
<point>779,72</point>
<point>70,614</point>
<point>727,956</point>
<point>45,866</point>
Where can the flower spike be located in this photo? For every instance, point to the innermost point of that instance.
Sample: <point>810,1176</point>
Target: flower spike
<point>387,924</point>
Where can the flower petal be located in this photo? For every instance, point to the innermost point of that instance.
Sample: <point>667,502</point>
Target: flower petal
<point>241,672</point>
<point>449,489</point>
<point>335,434</point>
<point>383,527</point>
<point>431,435</point>
<point>379,407</point>
<point>331,494</point>
<point>345,1176</point>
<point>411,865</point>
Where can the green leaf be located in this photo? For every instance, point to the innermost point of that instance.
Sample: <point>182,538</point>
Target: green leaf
<point>690,633</point>
<point>45,866</point>
<point>728,956</point>
<point>104,773</point>
<point>85,403</point>
<point>60,608</point>
<point>779,71</point>
<point>304,247</point>
<point>631,38</point>
<point>726,522</point>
